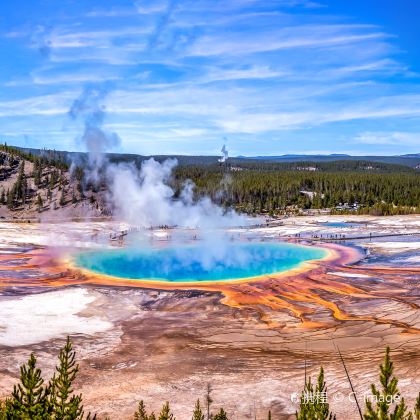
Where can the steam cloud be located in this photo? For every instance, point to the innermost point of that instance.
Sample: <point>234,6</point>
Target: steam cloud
<point>162,24</point>
<point>225,154</point>
<point>89,109</point>
<point>142,197</point>
<point>41,39</point>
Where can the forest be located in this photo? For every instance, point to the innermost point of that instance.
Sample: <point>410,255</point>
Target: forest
<point>280,191</point>
<point>253,186</point>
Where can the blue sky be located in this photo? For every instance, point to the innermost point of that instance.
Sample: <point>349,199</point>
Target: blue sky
<point>184,76</point>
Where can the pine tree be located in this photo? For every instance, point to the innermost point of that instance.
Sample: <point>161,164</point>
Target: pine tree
<point>3,197</point>
<point>66,406</point>
<point>32,400</point>
<point>221,415</point>
<point>165,413</point>
<point>24,189</point>
<point>385,397</point>
<point>30,397</point>
<point>269,415</point>
<point>53,179</point>
<point>39,203</point>
<point>208,400</point>
<point>141,413</point>
<point>10,199</point>
<point>6,411</point>
<point>313,402</point>
<point>37,173</point>
<point>197,414</point>
<point>62,198</point>
<point>417,408</point>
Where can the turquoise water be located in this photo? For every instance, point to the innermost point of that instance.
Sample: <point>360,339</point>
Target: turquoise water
<point>199,263</point>
<point>339,224</point>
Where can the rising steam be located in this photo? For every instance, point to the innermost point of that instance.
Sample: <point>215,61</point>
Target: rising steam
<point>89,108</point>
<point>142,197</point>
<point>225,155</point>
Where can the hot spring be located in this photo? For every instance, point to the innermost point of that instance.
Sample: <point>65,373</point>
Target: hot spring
<point>198,263</point>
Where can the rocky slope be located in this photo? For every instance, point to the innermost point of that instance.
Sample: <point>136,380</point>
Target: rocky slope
<point>44,187</point>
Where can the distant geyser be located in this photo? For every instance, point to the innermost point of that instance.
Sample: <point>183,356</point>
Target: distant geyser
<point>195,264</point>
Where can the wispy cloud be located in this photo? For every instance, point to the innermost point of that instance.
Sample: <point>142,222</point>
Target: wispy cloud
<point>55,104</point>
<point>71,78</point>
<point>190,70</point>
<point>253,72</point>
<point>397,138</point>
<point>146,7</point>
<point>98,38</point>
<point>306,36</point>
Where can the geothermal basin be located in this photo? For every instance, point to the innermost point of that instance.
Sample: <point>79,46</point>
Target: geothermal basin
<point>148,331</point>
<point>199,263</point>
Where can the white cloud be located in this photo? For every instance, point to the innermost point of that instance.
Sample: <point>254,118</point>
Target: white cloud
<point>54,104</point>
<point>306,36</point>
<point>66,38</point>
<point>147,7</point>
<point>60,79</point>
<point>114,12</point>
<point>396,138</point>
<point>245,67</point>
<point>253,72</point>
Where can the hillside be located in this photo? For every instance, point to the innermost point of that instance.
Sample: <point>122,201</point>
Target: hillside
<point>41,186</point>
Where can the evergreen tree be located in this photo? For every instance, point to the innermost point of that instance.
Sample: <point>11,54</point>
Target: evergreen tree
<point>141,413</point>
<point>39,202</point>
<point>66,406</point>
<point>269,415</point>
<point>208,400</point>
<point>30,397</point>
<point>53,179</point>
<point>37,172</point>
<point>22,169</point>
<point>62,198</point>
<point>6,410</point>
<point>197,414</point>
<point>3,197</point>
<point>384,398</point>
<point>10,199</point>
<point>24,189</point>
<point>165,413</point>
<point>313,402</point>
<point>32,400</point>
<point>221,415</point>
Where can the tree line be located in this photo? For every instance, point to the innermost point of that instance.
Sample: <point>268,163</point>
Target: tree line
<point>46,157</point>
<point>35,399</point>
<point>251,186</point>
<point>276,192</point>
